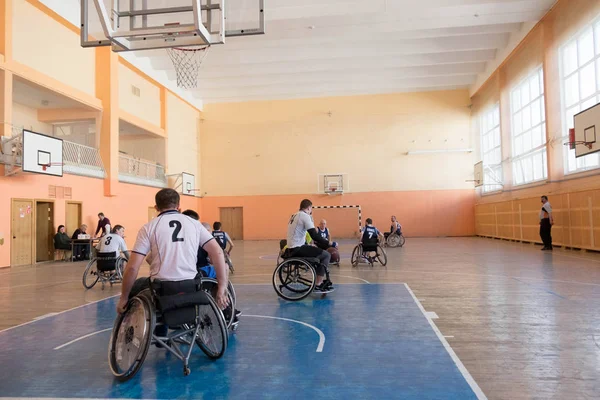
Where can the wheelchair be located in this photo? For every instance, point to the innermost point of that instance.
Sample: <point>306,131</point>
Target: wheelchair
<point>395,240</point>
<point>228,261</point>
<point>362,252</point>
<point>104,267</point>
<point>296,277</point>
<point>191,313</point>
<point>209,285</point>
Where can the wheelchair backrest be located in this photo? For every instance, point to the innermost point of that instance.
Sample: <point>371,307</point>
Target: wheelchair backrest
<point>177,300</point>
<point>107,261</point>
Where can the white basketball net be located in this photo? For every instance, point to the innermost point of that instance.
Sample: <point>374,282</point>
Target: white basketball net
<point>187,63</point>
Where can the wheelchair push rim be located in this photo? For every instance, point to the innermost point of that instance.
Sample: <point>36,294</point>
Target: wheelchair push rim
<point>356,255</point>
<point>381,256</point>
<point>394,240</point>
<point>131,338</point>
<point>90,275</point>
<point>208,285</point>
<point>294,279</point>
<point>212,335</point>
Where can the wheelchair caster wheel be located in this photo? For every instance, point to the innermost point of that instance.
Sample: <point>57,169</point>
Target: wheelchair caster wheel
<point>186,371</point>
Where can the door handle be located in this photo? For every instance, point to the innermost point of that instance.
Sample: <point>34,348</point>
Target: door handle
<point>14,237</point>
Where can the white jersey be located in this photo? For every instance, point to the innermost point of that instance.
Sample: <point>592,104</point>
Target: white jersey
<point>174,240</point>
<point>297,227</point>
<point>111,243</point>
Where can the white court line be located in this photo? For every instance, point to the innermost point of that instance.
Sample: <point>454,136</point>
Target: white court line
<point>447,337</point>
<point>58,313</point>
<point>81,338</point>
<point>432,315</point>
<point>320,332</point>
<point>39,284</point>
<point>342,276</point>
<point>474,386</point>
<point>45,316</point>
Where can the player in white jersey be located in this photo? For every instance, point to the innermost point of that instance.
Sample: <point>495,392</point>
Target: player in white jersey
<point>173,239</point>
<point>300,223</point>
<point>114,242</point>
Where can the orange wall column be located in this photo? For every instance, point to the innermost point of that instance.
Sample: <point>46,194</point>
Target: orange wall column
<point>107,90</point>
<point>163,123</point>
<point>6,29</point>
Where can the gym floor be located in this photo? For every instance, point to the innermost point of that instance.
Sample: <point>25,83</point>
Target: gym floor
<point>444,319</point>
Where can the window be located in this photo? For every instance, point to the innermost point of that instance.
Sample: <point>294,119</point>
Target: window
<point>491,149</point>
<point>580,77</point>
<point>528,116</point>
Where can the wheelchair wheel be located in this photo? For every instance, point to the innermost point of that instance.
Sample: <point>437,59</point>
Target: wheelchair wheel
<point>381,256</point>
<point>212,335</point>
<point>393,240</point>
<point>356,255</point>
<point>131,337</point>
<point>210,285</point>
<point>90,275</point>
<point>120,268</point>
<point>402,240</point>
<point>294,279</point>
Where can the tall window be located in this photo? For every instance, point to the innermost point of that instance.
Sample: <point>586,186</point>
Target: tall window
<point>529,130</point>
<point>580,77</point>
<point>491,150</point>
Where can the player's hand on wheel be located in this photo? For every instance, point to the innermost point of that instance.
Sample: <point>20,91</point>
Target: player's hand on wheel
<point>122,305</point>
<point>222,300</point>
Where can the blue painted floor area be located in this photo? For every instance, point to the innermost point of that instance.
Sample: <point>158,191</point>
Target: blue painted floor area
<point>378,345</point>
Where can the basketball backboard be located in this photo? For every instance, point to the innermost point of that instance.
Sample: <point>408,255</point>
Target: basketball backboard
<point>188,186</point>
<point>587,131</point>
<point>332,183</point>
<point>42,154</point>
<point>154,24</point>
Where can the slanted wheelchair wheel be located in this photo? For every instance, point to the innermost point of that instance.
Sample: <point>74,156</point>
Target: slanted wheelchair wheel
<point>229,263</point>
<point>131,337</point>
<point>393,240</point>
<point>381,256</point>
<point>356,255</point>
<point>209,285</point>
<point>402,240</point>
<point>212,335</point>
<point>90,275</point>
<point>294,279</point>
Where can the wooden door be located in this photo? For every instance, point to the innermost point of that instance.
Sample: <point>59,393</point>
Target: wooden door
<point>72,217</point>
<point>232,219</point>
<point>44,231</point>
<point>21,228</point>
<point>151,213</point>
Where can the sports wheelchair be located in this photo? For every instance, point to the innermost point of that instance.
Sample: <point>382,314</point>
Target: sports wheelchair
<point>363,252</point>
<point>104,267</point>
<point>209,285</point>
<point>228,261</point>
<point>395,239</point>
<point>185,307</point>
<point>296,277</point>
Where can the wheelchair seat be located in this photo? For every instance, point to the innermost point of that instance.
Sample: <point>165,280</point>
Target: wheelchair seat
<point>107,261</point>
<point>367,247</point>
<point>311,260</point>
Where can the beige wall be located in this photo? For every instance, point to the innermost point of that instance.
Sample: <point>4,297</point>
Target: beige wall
<point>280,147</point>
<point>26,117</point>
<point>147,105</point>
<point>150,149</point>
<point>40,43</point>
<point>183,146</point>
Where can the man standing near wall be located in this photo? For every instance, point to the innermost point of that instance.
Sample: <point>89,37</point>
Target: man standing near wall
<point>546,222</point>
<point>103,225</point>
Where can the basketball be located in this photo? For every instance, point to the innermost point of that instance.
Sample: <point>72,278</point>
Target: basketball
<point>335,254</point>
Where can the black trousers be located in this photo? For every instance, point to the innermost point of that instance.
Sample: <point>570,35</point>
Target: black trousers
<point>545,232</point>
<point>311,251</point>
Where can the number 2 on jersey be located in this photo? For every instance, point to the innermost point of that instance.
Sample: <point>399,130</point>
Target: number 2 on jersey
<point>177,226</point>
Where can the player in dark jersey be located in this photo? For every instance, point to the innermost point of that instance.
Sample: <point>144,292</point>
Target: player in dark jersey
<point>370,236</point>
<point>323,230</point>
<point>222,237</point>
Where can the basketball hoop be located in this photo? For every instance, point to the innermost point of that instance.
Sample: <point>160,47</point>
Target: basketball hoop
<point>46,166</point>
<point>572,143</point>
<point>187,61</point>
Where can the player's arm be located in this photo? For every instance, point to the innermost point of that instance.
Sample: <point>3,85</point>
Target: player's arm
<point>379,234</point>
<point>549,211</point>
<point>123,249</point>
<point>318,239</point>
<point>228,240</point>
<point>215,253</point>
<point>140,249</point>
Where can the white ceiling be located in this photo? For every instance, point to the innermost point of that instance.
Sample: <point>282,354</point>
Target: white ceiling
<point>315,48</point>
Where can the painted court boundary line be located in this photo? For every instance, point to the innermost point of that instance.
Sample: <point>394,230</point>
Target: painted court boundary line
<point>320,332</point>
<point>463,370</point>
<point>58,313</point>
